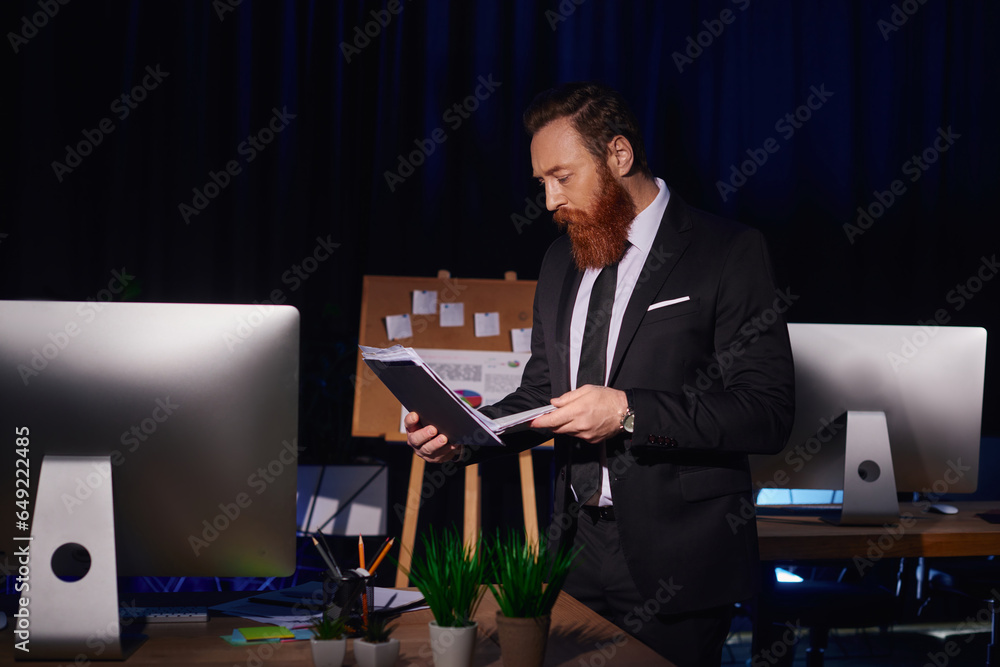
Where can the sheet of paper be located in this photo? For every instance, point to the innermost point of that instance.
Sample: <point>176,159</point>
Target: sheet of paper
<point>487,324</point>
<point>425,302</point>
<point>398,326</point>
<point>520,340</point>
<point>481,377</point>
<point>453,314</point>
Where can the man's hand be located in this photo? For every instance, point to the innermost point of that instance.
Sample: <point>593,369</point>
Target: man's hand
<point>427,443</point>
<point>589,412</point>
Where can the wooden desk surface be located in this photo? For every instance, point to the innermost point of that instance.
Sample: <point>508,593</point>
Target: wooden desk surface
<point>576,635</point>
<point>918,534</point>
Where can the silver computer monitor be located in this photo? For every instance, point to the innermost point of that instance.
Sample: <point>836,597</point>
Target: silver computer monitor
<point>183,417</point>
<point>881,409</point>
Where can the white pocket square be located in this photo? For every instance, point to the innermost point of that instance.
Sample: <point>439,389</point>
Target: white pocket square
<point>668,302</point>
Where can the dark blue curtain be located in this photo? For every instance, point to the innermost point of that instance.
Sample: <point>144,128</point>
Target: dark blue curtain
<point>856,135</point>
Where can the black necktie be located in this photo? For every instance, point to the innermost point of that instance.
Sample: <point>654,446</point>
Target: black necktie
<point>586,470</point>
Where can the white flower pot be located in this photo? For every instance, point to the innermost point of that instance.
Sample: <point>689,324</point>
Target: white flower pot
<point>453,647</point>
<point>382,654</point>
<point>328,652</point>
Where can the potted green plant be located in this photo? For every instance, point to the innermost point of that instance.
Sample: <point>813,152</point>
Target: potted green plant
<point>528,581</point>
<point>449,574</point>
<point>375,648</point>
<point>328,643</point>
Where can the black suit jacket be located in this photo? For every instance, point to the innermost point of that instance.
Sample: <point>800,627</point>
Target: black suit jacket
<point>712,381</point>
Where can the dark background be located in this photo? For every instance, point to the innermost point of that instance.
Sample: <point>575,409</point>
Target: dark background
<point>889,88</point>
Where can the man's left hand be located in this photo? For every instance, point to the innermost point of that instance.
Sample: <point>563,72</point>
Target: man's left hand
<point>591,413</point>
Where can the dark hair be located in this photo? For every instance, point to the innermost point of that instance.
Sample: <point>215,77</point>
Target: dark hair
<point>598,114</point>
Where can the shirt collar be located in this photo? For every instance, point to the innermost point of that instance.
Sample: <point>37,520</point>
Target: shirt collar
<point>644,226</point>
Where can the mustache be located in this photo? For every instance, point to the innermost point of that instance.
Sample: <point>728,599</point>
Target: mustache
<point>564,217</point>
<point>579,218</point>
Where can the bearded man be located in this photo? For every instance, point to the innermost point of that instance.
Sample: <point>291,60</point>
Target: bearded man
<point>658,336</point>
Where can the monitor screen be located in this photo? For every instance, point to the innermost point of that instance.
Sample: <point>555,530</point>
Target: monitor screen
<point>928,382</point>
<point>196,406</point>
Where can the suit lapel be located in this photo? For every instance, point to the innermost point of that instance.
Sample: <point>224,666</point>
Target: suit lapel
<point>567,299</point>
<point>671,239</point>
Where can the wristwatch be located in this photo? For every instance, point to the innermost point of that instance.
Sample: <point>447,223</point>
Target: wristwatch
<point>628,419</point>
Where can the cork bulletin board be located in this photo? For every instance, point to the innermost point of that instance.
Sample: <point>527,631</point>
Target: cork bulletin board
<point>376,411</point>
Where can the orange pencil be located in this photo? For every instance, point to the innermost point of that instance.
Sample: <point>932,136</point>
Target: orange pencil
<point>377,554</point>
<point>382,554</point>
<point>364,591</point>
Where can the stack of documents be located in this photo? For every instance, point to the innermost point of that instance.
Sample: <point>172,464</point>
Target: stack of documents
<point>420,390</point>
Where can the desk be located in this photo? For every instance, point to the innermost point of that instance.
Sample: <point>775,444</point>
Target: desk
<point>577,635</point>
<point>919,534</point>
<point>808,538</point>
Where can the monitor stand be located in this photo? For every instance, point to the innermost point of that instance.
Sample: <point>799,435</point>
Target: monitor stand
<point>869,479</point>
<point>74,516</point>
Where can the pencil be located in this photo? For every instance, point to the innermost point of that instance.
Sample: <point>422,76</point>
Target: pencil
<point>364,591</point>
<point>377,554</point>
<point>334,570</point>
<point>383,552</point>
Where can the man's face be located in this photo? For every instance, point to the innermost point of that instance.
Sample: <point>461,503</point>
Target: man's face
<point>588,199</point>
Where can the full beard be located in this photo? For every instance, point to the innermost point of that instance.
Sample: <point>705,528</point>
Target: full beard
<point>599,235</point>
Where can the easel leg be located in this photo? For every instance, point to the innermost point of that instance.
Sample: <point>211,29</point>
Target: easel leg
<point>410,521</point>
<point>528,498</point>
<point>472,505</point>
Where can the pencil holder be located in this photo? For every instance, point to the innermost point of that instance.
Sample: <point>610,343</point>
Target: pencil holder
<point>350,593</point>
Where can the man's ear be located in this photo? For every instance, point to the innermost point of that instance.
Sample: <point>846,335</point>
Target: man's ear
<point>620,156</point>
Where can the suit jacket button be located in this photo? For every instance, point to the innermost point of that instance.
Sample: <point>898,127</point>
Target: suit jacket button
<point>651,439</point>
<point>562,474</point>
<point>673,443</point>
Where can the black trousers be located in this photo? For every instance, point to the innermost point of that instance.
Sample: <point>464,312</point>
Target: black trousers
<point>601,581</point>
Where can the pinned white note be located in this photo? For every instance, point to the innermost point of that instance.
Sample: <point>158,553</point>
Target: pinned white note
<point>487,324</point>
<point>520,339</point>
<point>398,326</point>
<point>425,302</point>
<point>453,314</point>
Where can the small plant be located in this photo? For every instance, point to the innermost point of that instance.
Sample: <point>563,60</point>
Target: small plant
<point>378,630</point>
<point>450,577</point>
<point>522,571</point>
<point>327,627</point>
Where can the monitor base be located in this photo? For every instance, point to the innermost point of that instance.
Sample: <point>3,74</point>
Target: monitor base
<point>73,599</point>
<point>869,478</point>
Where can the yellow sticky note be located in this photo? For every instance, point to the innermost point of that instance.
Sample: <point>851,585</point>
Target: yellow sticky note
<point>266,632</point>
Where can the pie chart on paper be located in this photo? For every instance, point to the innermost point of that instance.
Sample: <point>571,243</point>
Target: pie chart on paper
<point>473,398</point>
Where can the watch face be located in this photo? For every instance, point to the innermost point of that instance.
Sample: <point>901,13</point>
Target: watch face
<point>628,423</point>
